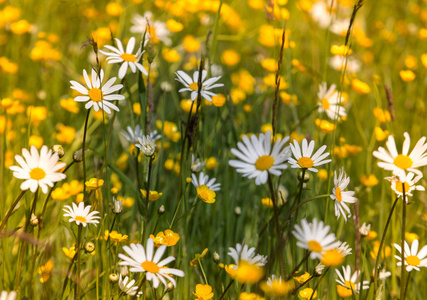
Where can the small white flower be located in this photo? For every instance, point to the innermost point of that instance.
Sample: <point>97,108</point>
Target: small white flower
<point>142,259</point>
<point>342,197</point>
<point>409,182</point>
<point>38,170</point>
<point>98,94</point>
<point>319,269</point>
<point>125,57</point>
<point>8,296</point>
<point>246,254</point>
<point>204,180</point>
<point>191,84</point>
<point>315,237</point>
<point>196,164</point>
<point>158,28</point>
<point>258,158</point>
<point>400,163</point>
<point>133,135</point>
<point>80,214</point>
<point>383,274</point>
<point>320,12</point>
<point>329,101</point>
<point>128,287</point>
<point>350,281</point>
<point>364,229</point>
<point>413,259</point>
<point>118,205</point>
<point>306,159</point>
<point>147,145</point>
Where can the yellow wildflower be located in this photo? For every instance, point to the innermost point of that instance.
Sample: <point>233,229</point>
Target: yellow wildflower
<point>411,236</point>
<point>113,9</point>
<point>218,100</point>
<point>206,194</point>
<point>382,115</point>
<point>267,202</point>
<point>20,27</point>
<point>203,292</point>
<point>45,270</point>
<point>168,238</point>
<point>66,134</point>
<point>154,195</point>
<point>212,163</point>
<point>36,140</point>
<point>340,50</point>
<point>198,257</point>
<point>174,26</point>
<point>380,134</point>
<point>360,87</point>
<point>307,292</point>
<point>230,57</point>
<point>94,183</point>
<point>248,273</point>
<point>369,180</point>
<point>277,287</point>
<point>70,252</point>
<point>250,296</point>
<point>191,44</point>
<point>322,174</point>
<point>325,126</point>
<point>70,105</point>
<point>407,75</point>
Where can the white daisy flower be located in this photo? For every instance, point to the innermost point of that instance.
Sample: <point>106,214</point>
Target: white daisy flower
<point>125,57</point>
<point>329,101</point>
<point>342,197</point>
<point>160,30</point>
<point>383,274</point>
<point>204,180</point>
<point>258,159</point>
<point>8,296</point>
<point>147,145</point>
<point>97,94</point>
<point>133,135</point>
<point>399,163</point>
<point>142,259</point>
<point>80,214</point>
<point>191,84</point>
<point>413,259</point>
<point>306,159</point>
<point>339,62</point>
<point>246,254</point>
<point>128,288</point>
<point>340,27</point>
<point>409,181</point>
<point>38,170</point>
<point>196,164</point>
<point>350,281</point>
<point>315,237</point>
<point>320,13</point>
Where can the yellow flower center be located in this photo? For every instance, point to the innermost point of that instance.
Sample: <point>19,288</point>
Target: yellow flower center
<point>81,219</point>
<point>206,194</point>
<point>264,162</point>
<point>350,284</point>
<point>325,103</point>
<point>403,161</point>
<point>338,194</point>
<point>343,292</point>
<point>194,86</point>
<point>413,260</point>
<point>128,57</point>
<point>95,94</point>
<point>314,246</point>
<point>399,187</point>
<point>37,174</point>
<point>149,266</point>
<point>332,257</point>
<point>305,162</point>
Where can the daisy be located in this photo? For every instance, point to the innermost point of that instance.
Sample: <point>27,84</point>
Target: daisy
<point>128,288</point>
<point>244,253</point>
<point>315,237</point>
<point>307,160</point>
<point>158,32</point>
<point>80,214</point>
<point>348,283</point>
<point>342,197</point>
<point>399,163</point>
<point>409,181</point>
<point>97,94</point>
<point>258,158</point>
<point>329,101</point>
<point>413,258</point>
<point>142,259</point>
<point>38,170</point>
<point>191,84</point>
<point>335,257</point>
<point>147,145</point>
<point>320,12</point>
<point>205,187</point>
<point>8,296</point>
<point>133,135</point>
<point>126,58</point>
<point>276,286</point>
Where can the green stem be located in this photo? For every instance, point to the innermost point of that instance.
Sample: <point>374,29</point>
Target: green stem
<point>203,271</point>
<point>79,237</point>
<point>9,212</point>
<point>299,193</point>
<point>83,153</point>
<point>402,275</point>
<point>226,289</point>
<point>64,286</point>
<point>299,265</point>
<point>377,260</point>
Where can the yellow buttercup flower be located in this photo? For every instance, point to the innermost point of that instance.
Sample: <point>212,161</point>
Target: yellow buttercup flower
<point>308,293</point>
<point>325,126</point>
<point>203,292</point>
<point>114,9</point>
<point>171,55</point>
<point>94,183</point>
<point>385,252</point>
<point>369,180</point>
<point>218,100</point>
<point>66,134</point>
<point>267,202</point>
<point>70,252</point>
<point>20,27</point>
<point>411,236</point>
<point>360,87</point>
<point>407,75</point>
<point>340,50</point>
<point>206,194</point>
<point>187,104</point>
<point>174,26</point>
<point>45,271</point>
<point>230,57</point>
<point>70,105</point>
<point>250,296</point>
<point>168,238</point>
<point>303,278</point>
<point>198,257</point>
<point>322,175</point>
<point>191,44</point>
<point>382,115</point>
<point>248,273</point>
<point>212,163</point>
<point>115,237</point>
<point>380,134</point>
<point>154,195</point>
<point>36,140</point>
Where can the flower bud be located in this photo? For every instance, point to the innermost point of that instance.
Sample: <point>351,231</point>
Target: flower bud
<point>306,176</point>
<point>216,257</point>
<point>364,229</point>
<point>170,287</point>
<point>117,206</point>
<point>89,247</point>
<point>34,221</point>
<point>237,211</point>
<point>161,210</point>
<point>124,271</point>
<point>59,150</point>
<point>78,156</point>
<point>113,277</point>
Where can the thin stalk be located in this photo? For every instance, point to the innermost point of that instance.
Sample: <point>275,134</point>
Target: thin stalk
<point>139,289</point>
<point>79,237</point>
<point>278,231</point>
<point>300,193</point>
<point>302,284</point>
<point>226,289</point>
<point>318,282</point>
<point>403,270</point>
<point>83,153</point>
<point>299,265</point>
<point>9,212</point>
<point>147,195</point>
<point>377,260</point>
<point>407,283</point>
<point>64,286</point>
<point>203,272</point>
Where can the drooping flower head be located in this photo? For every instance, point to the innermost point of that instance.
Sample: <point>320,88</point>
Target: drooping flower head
<point>81,214</point>
<point>258,158</point>
<point>340,196</point>
<point>142,259</point>
<point>306,159</point>
<point>127,58</point>
<point>192,85</point>
<point>97,94</point>
<point>38,170</point>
